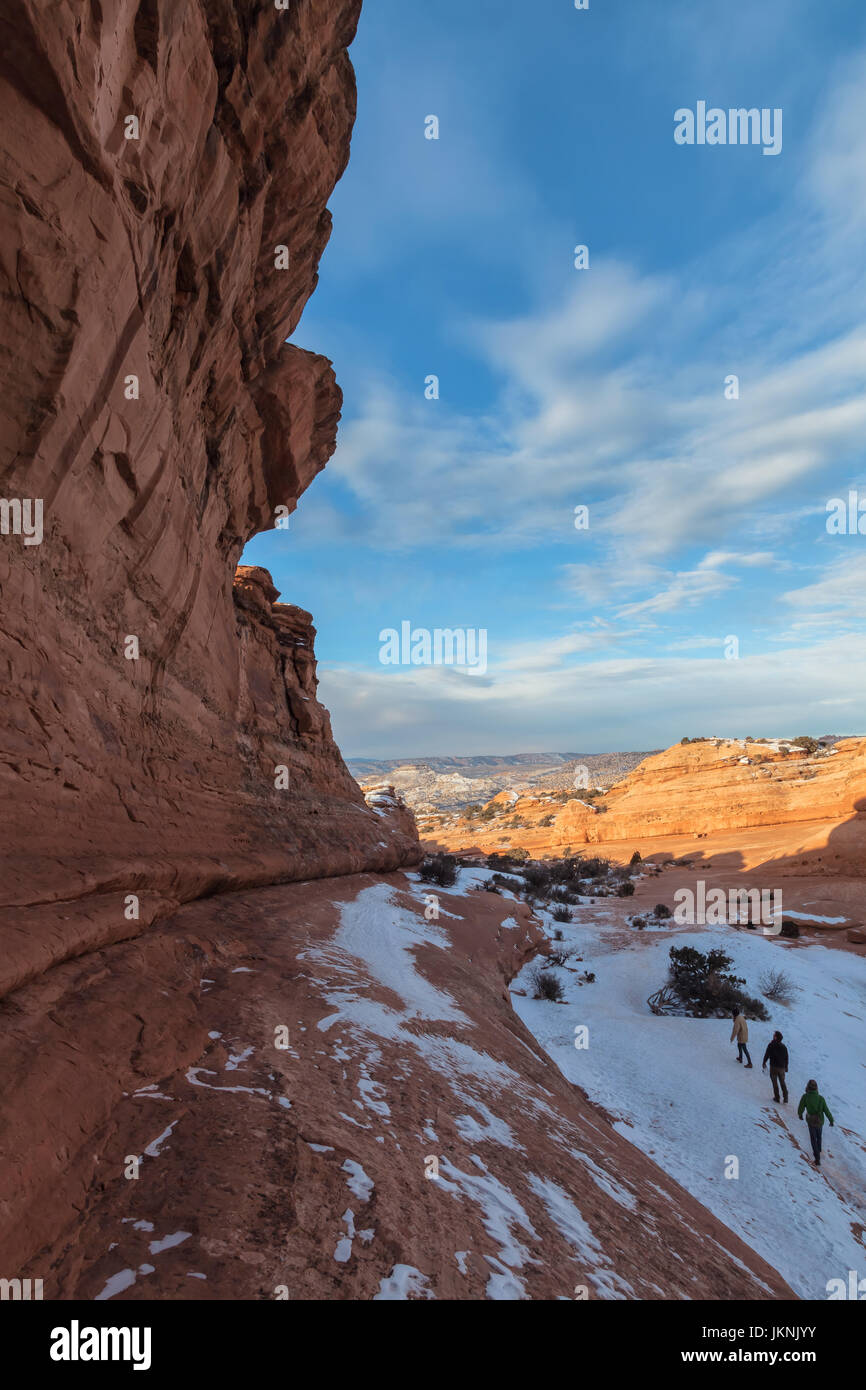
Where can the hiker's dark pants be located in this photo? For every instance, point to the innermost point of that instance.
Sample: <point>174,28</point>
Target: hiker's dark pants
<point>777,1076</point>
<point>815,1135</point>
<point>741,1048</point>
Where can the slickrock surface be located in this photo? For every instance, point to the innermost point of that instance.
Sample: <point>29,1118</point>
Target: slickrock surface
<point>293,1060</point>
<point>694,793</point>
<point>151,404</point>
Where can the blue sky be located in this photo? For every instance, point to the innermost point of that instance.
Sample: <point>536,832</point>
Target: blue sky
<point>602,387</point>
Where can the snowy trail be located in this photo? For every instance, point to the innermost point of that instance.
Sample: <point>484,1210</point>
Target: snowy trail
<point>675,1090</point>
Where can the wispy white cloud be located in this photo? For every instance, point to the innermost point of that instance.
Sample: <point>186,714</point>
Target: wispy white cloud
<point>684,590</point>
<point>408,711</point>
<point>838,596</point>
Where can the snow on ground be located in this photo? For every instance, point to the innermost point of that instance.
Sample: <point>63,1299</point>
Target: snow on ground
<point>813,917</point>
<point>169,1242</point>
<point>404,1282</point>
<point>566,1216</point>
<point>359,1184</point>
<point>380,936</point>
<point>671,1084</point>
<point>676,1091</point>
<point>154,1147</point>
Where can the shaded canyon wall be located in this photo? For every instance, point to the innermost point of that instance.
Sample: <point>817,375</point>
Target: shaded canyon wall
<point>153,408</point>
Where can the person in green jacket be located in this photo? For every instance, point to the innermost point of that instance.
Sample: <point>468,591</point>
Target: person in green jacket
<point>816,1108</point>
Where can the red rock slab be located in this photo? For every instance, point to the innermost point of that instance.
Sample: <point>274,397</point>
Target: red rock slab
<point>304,1170</point>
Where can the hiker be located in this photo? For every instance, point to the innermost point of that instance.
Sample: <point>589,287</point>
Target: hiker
<point>740,1031</point>
<point>777,1055</point>
<point>816,1108</point>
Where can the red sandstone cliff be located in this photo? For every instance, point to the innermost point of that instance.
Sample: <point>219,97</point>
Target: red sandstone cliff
<point>690,791</point>
<point>151,404</point>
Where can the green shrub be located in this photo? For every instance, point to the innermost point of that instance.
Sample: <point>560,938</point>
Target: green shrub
<point>439,868</point>
<point>702,983</point>
<point>594,868</point>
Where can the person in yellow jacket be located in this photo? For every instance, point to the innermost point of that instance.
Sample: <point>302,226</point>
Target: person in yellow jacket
<point>740,1031</point>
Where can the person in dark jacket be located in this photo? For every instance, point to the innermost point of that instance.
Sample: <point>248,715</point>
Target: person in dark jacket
<point>777,1055</point>
<point>816,1108</point>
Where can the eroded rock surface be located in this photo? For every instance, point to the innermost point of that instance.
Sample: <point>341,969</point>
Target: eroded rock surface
<point>331,1097</point>
<point>160,730</point>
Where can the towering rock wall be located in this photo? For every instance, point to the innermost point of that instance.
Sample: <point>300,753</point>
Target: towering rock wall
<point>164,174</point>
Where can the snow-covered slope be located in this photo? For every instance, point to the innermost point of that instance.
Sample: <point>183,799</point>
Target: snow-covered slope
<point>675,1089</point>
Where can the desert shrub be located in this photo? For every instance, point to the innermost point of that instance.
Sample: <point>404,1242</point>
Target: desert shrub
<point>491,887</point>
<point>587,978</point>
<point>503,881</point>
<point>546,985</point>
<point>811,745</point>
<point>663,999</point>
<point>439,868</point>
<point>635,859</point>
<point>702,983</point>
<point>625,890</point>
<point>519,855</point>
<point>487,812</point>
<point>789,927</point>
<point>685,740</point>
<point>561,954</point>
<point>546,820</point>
<point>662,912</point>
<point>537,876</point>
<point>595,867</point>
<point>778,986</point>
<point>561,914</point>
<point>470,812</point>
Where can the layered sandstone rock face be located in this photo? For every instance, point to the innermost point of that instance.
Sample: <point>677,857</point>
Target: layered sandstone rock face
<point>691,790</point>
<point>161,735</point>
